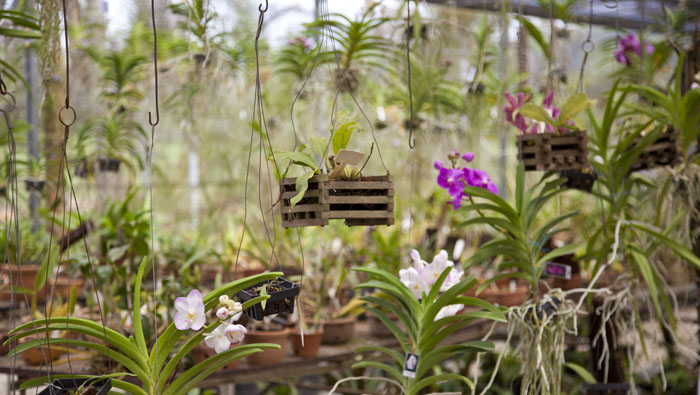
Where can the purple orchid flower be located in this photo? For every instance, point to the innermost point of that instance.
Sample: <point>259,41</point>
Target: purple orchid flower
<point>629,45</point>
<point>456,178</point>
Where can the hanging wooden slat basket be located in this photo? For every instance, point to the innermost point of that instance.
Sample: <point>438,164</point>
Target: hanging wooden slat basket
<point>364,202</point>
<point>549,151</point>
<point>367,201</point>
<point>664,152</point>
<point>309,211</point>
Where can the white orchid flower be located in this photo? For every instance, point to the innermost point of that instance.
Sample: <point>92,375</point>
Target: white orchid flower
<point>449,311</point>
<point>235,333</point>
<point>218,339</point>
<point>190,311</point>
<point>412,279</point>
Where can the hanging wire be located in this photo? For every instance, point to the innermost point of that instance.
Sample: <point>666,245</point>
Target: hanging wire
<point>411,139</point>
<point>550,80</point>
<point>587,46</point>
<point>150,187</point>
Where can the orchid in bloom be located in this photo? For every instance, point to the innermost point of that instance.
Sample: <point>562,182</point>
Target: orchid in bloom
<point>230,308</point>
<point>190,311</point>
<point>629,45</point>
<point>221,338</point>
<point>455,178</point>
<point>422,276</point>
<point>413,280</point>
<point>514,116</point>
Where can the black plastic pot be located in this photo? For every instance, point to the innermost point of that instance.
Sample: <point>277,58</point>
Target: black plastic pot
<point>281,301</point>
<point>81,169</point>
<point>541,309</point>
<point>108,164</point>
<point>607,389</point>
<point>68,386</point>
<point>578,180</point>
<point>34,185</point>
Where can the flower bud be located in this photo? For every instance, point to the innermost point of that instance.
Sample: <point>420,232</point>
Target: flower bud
<point>223,299</point>
<point>222,313</point>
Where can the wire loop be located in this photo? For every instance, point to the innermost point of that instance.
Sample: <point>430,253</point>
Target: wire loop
<point>3,87</point>
<point>588,46</point>
<point>13,102</point>
<point>266,6</point>
<point>60,116</point>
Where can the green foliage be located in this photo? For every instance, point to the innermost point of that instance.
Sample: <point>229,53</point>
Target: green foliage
<point>612,157</point>
<point>17,25</point>
<point>113,137</point>
<point>673,108</point>
<point>297,58</point>
<point>522,240</point>
<point>155,369</point>
<point>420,333</point>
<point>573,105</point>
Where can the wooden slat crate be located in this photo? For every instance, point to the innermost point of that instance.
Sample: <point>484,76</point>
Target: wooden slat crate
<point>548,151</point>
<point>309,211</point>
<point>664,152</point>
<point>368,201</point>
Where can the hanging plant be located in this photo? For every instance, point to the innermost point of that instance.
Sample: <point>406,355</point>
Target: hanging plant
<point>337,191</point>
<point>550,140</point>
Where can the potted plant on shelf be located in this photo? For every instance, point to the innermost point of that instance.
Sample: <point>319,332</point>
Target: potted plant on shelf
<point>335,187</point>
<point>552,141</point>
<point>269,330</point>
<point>427,301</point>
<point>154,369</point>
<point>21,275</point>
<point>118,140</point>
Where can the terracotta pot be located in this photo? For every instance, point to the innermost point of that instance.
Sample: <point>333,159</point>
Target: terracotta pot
<point>268,356</point>
<point>62,287</point>
<point>572,283</point>
<point>312,343</point>
<point>377,327</point>
<point>28,277</point>
<point>35,356</point>
<point>338,330</point>
<point>503,296</point>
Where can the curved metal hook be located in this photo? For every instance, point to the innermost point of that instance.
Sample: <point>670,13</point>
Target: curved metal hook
<point>155,66</point>
<point>13,103</point>
<point>266,6</point>
<point>3,87</point>
<point>411,140</point>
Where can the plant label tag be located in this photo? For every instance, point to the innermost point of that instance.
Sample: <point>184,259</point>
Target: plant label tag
<point>409,367</point>
<point>558,270</point>
<point>347,157</point>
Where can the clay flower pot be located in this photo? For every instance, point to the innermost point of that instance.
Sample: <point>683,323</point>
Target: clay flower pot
<point>501,294</point>
<point>338,330</point>
<point>28,277</point>
<point>312,343</point>
<point>35,356</point>
<point>62,287</point>
<point>268,356</point>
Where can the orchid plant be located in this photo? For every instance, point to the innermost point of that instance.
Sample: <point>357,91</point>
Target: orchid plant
<point>530,118</point>
<point>629,48</point>
<point>155,369</point>
<point>428,301</point>
<point>455,178</point>
<point>321,147</point>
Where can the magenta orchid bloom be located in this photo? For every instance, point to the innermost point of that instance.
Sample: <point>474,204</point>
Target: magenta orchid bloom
<point>629,45</point>
<point>456,178</point>
<point>520,122</point>
<point>514,105</point>
<point>190,311</point>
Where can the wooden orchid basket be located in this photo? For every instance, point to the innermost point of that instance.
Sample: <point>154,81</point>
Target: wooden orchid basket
<point>553,152</point>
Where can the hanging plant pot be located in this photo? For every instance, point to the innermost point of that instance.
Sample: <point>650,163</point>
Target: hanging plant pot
<point>78,386</point>
<point>282,297</point>
<point>365,202</point>
<point>549,151</point>
<point>108,165</point>
<point>34,185</point>
<point>580,180</point>
<point>82,169</point>
<point>664,152</point>
<point>309,210</point>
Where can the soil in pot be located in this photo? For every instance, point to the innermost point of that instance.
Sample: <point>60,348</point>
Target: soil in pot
<point>268,356</point>
<point>282,296</point>
<point>338,330</point>
<point>312,343</point>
